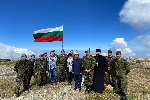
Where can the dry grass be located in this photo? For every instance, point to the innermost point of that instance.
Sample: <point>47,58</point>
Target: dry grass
<point>138,86</point>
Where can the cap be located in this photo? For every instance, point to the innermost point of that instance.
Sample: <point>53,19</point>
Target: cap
<point>118,52</point>
<point>87,51</point>
<point>76,53</point>
<point>62,50</point>
<point>109,51</point>
<point>41,55</point>
<point>32,55</point>
<point>53,50</point>
<point>45,53</point>
<point>98,50</point>
<point>23,55</point>
<point>71,51</point>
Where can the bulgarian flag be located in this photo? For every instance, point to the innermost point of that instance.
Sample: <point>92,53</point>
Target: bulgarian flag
<point>49,34</point>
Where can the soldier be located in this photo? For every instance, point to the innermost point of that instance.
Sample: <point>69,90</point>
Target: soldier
<point>109,77</point>
<point>88,64</point>
<point>32,59</point>
<point>121,67</point>
<point>55,53</point>
<point>22,67</point>
<point>62,64</point>
<point>41,71</point>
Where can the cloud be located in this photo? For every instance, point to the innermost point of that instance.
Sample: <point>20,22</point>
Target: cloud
<point>136,13</point>
<point>10,52</point>
<point>142,40</point>
<point>119,44</point>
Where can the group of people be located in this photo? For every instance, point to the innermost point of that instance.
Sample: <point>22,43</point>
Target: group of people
<point>96,70</point>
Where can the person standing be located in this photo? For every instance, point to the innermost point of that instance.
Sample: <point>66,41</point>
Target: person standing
<point>109,78</point>
<point>62,64</point>
<point>41,71</point>
<point>52,68</point>
<point>69,68</point>
<point>101,68</point>
<point>22,67</point>
<point>77,71</point>
<point>31,72</point>
<point>88,65</point>
<point>122,68</point>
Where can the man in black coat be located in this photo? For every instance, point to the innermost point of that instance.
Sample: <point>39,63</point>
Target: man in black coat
<point>101,68</point>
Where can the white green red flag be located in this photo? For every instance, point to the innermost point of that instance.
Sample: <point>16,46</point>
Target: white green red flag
<point>49,34</point>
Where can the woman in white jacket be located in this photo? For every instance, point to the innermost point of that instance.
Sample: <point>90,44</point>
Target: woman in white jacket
<point>69,68</point>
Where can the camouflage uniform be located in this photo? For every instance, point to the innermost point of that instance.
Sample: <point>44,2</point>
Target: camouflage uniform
<point>109,77</point>
<point>31,72</point>
<point>121,69</point>
<point>88,63</point>
<point>62,63</point>
<point>40,68</point>
<point>22,67</point>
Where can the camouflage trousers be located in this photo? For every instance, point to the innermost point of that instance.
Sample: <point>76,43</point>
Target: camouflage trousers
<point>88,78</point>
<point>41,78</point>
<point>62,74</point>
<point>109,79</point>
<point>120,84</point>
<point>21,81</point>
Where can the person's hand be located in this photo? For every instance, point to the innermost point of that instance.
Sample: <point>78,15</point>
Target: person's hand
<point>72,72</point>
<point>36,74</point>
<point>81,73</point>
<point>46,72</point>
<point>86,70</point>
<point>106,73</point>
<point>109,68</point>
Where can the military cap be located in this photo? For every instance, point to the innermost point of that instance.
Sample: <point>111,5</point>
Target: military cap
<point>62,50</point>
<point>41,55</point>
<point>71,51</point>
<point>109,51</point>
<point>23,55</point>
<point>98,50</point>
<point>87,51</point>
<point>45,53</point>
<point>118,52</point>
<point>32,55</point>
<point>53,50</point>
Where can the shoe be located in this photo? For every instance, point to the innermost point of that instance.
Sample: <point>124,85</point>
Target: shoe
<point>17,94</point>
<point>123,97</point>
<point>75,88</point>
<point>89,88</point>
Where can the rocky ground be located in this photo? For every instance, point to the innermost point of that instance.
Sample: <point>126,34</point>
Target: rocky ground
<point>138,86</point>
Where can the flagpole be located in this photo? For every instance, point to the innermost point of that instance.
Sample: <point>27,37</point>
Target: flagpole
<point>63,38</point>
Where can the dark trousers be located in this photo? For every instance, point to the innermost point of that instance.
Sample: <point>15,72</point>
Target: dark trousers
<point>69,75</point>
<point>78,80</point>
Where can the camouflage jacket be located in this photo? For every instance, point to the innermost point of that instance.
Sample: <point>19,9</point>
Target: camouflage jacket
<point>88,62</point>
<point>40,65</point>
<point>121,67</point>
<point>22,66</point>
<point>109,59</point>
<point>62,60</point>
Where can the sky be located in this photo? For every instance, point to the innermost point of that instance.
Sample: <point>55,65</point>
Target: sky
<point>106,24</point>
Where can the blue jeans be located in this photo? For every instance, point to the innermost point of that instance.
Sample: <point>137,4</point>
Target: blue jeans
<point>78,80</point>
<point>53,75</point>
<point>69,75</point>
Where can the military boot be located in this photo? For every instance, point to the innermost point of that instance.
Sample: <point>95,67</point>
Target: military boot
<point>123,97</point>
<point>17,94</point>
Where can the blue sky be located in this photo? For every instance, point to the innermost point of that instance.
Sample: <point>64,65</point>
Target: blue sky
<point>86,23</point>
